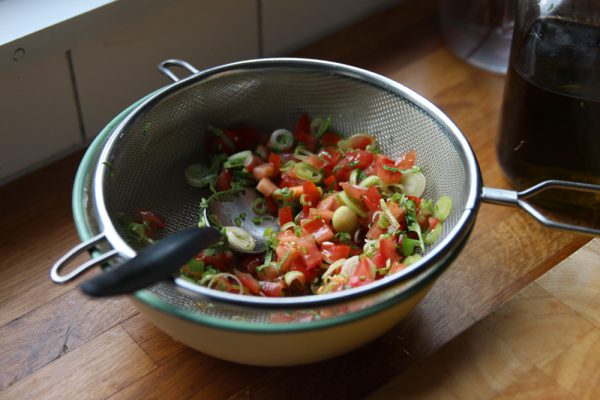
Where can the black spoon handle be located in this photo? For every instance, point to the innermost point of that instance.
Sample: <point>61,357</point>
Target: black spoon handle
<point>153,263</point>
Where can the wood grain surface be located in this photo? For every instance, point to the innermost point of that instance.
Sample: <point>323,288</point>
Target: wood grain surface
<point>55,343</point>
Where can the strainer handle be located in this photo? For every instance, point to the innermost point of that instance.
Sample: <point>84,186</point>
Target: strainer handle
<point>164,68</point>
<point>55,274</point>
<point>152,264</point>
<point>519,199</point>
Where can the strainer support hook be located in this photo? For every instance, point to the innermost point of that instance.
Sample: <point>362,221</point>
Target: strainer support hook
<point>519,199</point>
<point>164,68</point>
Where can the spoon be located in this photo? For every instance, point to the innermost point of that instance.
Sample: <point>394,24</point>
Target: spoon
<point>164,258</point>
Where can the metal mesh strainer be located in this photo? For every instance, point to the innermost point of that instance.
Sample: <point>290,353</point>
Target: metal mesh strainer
<point>142,162</point>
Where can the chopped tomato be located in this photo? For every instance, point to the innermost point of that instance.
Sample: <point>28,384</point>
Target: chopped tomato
<point>266,187</point>
<point>359,159</point>
<point>324,214</point>
<point>248,281</point>
<point>275,161</point>
<point>302,132</point>
<point>310,252</point>
<point>224,180</point>
<point>319,229</point>
<point>309,275</point>
<point>333,252</point>
<point>271,289</point>
<point>361,141</point>
<point>330,139</point>
<point>374,231</point>
<point>331,157</point>
<point>152,219</point>
<point>396,267</point>
<point>221,259</point>
<point>285,215</point>
<point>363,274</point>
<point>331,183</point>
<point>289,180</point>
<point>311,193</point>
<point>386,170</point>
<point>407,161</point>
<point>265,170</point>
<point>329,203</point>
<point>250,262</point>
<point>354,191</point>
<point>415,199</point>
<point>433,221</point>
<point>371,199</point>
<point>315,161</point>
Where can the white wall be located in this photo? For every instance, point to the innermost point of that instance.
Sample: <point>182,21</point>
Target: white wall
<point>60,85</point>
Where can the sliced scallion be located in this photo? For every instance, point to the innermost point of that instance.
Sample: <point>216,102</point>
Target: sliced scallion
<point>307,172</point>
<point>352,204</point>
<point>259,206</point>
<point>239,239</point>
<point>388,213</point>
<point>372,180</point>
<point>292,276</point>
<point>237,159</point>
<point>442,208</point>
<point>281,140</point>
<point>431,236</point>
<point>319,126</point>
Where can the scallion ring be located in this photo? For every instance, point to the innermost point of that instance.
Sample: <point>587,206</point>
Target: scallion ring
<point>319,126</point>
<point>351,204</point>
<point>239,239</point>
<point>307,172</point>
<point>237,159</point>
<point>388,213</point>
<point>292,276</point>
<point>281,140</point>
<point>353,176</point>
<point>372,180</point>
<point>259,206</point>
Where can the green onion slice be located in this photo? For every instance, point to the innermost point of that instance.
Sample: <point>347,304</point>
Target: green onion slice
<point>239,239</point>
<point>237,159</point>
<point>307,172</point>
<point>388,213</point>
<point>352,204</point>
<point>292,276</point>
<point>281,139</point>
<point>372,180</point>
<point>431,236</point>
<point>319,126</point>
<point>259,206</point>
<point>442,208</point>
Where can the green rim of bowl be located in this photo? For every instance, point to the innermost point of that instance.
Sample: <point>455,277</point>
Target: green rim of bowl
<point>85,232</point>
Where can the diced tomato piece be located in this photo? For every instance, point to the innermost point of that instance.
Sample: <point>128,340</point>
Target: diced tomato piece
<point>415,199</point>
<point>271,289</point>
<point>319,229</point>
<point>359,159</point>
<point>224,180</point>
<point>331,156</point>
<point>329,203</point>
<point>371,199</point>
<point>248,281</point>
<point>244,137</point>
<point>325,214</point>
<point>361,141</point>
<point>375,231</point>
<point>354,191</point>
<point>330,139</point>
<point>315,162</point>
<point>266,187</point>
<point>342,171</point>
<point>433,221</point>
<point>309,275</point>
<point>363,274</point>
<point>387,247</point>
<point>396,210</point>
<point>311,193</point>
<point>286,157</point>
<point>265,170</point>
<point>310,252</point>
<point>285,215</point>
<point>221,259</point>
<point>271,205</point>
<point>386,170</point>
<point>407,161</point>
<point>302,132</point>
<point>396,267</point>
<point>152,219</point>
<point>289,180</point>
<point>275,161</point>
<point>250,262</point>
<point>331,183</point>
<point>333,252</point>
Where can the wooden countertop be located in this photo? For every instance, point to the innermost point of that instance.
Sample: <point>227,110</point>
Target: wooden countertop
<point>56,343</point>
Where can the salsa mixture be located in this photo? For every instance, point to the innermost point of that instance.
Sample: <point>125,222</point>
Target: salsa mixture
<point>347,214</point>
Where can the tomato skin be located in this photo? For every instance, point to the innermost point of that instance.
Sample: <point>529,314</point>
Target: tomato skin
<point>311,193</point>
<point>152,219</point>
<point>363,274</point>
<point>361,141</point>
<point>371,199</point>
<point>285,215</point>
<point>224,180</point>
<point>389,177</point>
<point>330,139</point>
<point>248,281</point>
<point>218,258</point>
<point>354,191</point>
<point>275,161</point>
<point>331,183</point>
<point>271,289</point>
<point>302,132</point>
<point>333,252</point>
<point>407,161</point>
<point>359,159</point>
